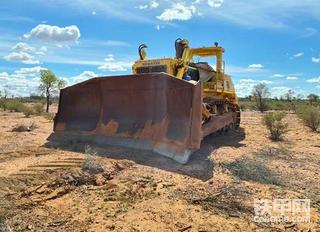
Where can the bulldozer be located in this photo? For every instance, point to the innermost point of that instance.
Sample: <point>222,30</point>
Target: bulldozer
<point>167,105</point>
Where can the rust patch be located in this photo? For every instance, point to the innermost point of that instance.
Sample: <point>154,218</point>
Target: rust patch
<point>109,129</point>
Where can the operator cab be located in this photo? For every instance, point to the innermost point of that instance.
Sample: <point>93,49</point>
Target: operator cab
<point>201,71</point>
<point>197,71</point>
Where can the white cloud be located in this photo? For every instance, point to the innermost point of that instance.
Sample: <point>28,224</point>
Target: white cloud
<point>158,27</point>
<point>22,57</point>
<point>277,75</point>
<point>50,33</point>
<point>279,91</point>
<point>109,58</point>
<point>154,4</point>
<point>25,53</point>
<point>318,87</point>
<point>151,5</point>
<point>266,82</point>
<point>215,3</point>
<point>22,47</point>
<point>114,66</point>
<point>42,51</point>
<point>244,72</point>
<point>244,86</point>
<point>4,76</point>
<point>178,11</point>
<point>85,75</point>
<point>93,13</point>
<point>255,66</point>
<point>316,60</point>
<point>142,7</point>
<point>298,55</point>
<point>29,71</point>
<point>22,82</point>
<point>292,78</point>
<point>314,80</point>
<point>246,13</point>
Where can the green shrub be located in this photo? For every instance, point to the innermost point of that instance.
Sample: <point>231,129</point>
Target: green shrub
<point>27,111</point>
<point>247,105</point>
<point>279,105</point>
<point>38,108</point>
<point>15,106</point>
<point>48,116</point>
<point>275,125</point>
<point>310,116</point>
<point>3,103</point>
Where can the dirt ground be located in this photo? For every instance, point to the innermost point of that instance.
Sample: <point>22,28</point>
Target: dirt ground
<point>47,189</point>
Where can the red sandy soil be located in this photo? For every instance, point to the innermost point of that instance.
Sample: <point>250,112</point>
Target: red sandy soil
<point>47,189</point>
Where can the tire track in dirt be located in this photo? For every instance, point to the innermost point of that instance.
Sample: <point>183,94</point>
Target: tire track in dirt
<point>34,165</point>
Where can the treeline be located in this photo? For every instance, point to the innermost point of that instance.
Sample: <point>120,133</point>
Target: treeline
<point>308,110</point>
<point>249,103</point>
<point>260,100</point>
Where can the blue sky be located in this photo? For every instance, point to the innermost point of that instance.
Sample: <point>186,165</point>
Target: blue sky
<point>275,42</point>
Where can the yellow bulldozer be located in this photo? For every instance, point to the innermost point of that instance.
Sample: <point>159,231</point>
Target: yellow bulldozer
<point>167,105</point>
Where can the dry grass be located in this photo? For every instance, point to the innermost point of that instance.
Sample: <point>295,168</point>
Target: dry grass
<point>274,153</point>
<point>38,108</point>
<point>253,170</point>
<point>4,227</point>
<point>229,200</point>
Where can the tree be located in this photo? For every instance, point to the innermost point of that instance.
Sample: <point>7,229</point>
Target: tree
<point>313,98</point>
<point>49,85</point>
<point>260,92</point>
<point>5,93</point>
<point>289,95</point>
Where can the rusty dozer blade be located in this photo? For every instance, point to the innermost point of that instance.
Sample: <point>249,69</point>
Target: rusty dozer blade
<point>148,111</point>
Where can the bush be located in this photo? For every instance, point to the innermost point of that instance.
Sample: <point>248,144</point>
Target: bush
<point>279,105</point>
<point>48,116</point>
<point>3,103</point>
<point>38,108</point>
<point>310,116</point>
<point>15,105</point>
<point>27,111</point>
<point>92,165</point>
<point>247,105</point>
<point>275,125</point>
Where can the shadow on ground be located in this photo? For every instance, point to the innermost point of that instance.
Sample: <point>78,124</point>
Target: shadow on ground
<point>200,165</point>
